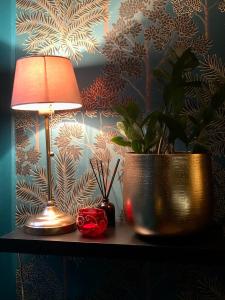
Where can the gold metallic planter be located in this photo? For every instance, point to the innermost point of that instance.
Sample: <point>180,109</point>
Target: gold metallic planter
<point>167,194</point>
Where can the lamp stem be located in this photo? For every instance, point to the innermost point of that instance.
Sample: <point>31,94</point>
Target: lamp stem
<point>51,220</point>
<point>49,154</point>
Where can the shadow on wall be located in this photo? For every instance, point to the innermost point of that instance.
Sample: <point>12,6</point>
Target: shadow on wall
<point>6,79</point>
<point>6,132</point>
<point>7,161</point>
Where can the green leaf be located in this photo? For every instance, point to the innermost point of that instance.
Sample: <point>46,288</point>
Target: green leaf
<point>120,109</point>
<point>153,130</point>
<point>153,117</point>
<point>122,128</point>
<point>133,111</point>
<point>130,111</point>
<point>185,62</point>
<point>134,132</point>
<point>150,140</point>
<point>189,59</point>
<point>119,140</point>
<point>176,128</point>
<point>136,146</point>
<point>174,97</point>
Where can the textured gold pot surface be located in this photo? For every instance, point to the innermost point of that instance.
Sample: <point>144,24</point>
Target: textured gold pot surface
<point>167,194</point>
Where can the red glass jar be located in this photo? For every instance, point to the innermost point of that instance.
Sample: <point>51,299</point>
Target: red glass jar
<point>91,222</point>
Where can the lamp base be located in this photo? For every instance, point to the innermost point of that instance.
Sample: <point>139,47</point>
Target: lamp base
<point>51,221</point>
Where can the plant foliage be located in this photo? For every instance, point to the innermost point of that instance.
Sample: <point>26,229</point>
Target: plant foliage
<point>160,130</point>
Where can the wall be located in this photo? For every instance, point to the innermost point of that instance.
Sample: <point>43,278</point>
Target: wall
<point>114,45</point>
<point>7,146</point>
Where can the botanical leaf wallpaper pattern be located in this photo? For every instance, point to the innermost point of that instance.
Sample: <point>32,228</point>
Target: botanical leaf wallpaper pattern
<point>60,27</point>
<point>128,39</point>
<point>70,191</point>
<point>37,275</point>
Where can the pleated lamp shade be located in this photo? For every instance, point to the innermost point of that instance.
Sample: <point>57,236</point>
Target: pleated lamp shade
<point>45,82</point>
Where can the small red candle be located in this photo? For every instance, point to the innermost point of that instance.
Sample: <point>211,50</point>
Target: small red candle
<point>129,211</point>
<point>91,222</point>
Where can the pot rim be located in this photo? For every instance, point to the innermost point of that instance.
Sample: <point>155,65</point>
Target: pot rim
<point>168,154</point>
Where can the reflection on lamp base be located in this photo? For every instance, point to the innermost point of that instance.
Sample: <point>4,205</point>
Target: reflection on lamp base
<point>51,221</point>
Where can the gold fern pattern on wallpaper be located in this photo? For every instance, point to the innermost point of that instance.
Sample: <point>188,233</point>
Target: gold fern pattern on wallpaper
<point>143,29</point>
<point>26,159</point>
<point>133,39</point>
<point>67,134</point>
<point>60,27</point>
<point>213,70</point>
<point>59,116</point>
<point>105,151</point>
<point>222,6</point>
<point>200,9</point>
<point>71,191</point>
<point>201,285</point>
<point>102,95</point>
<point>132,42</point>
<point>35,269</point>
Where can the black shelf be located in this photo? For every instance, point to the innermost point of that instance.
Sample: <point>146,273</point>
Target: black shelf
<point>121,242</point>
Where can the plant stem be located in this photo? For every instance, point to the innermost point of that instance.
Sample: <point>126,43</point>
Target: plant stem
<point>161,141</point>
<point>159,146</point>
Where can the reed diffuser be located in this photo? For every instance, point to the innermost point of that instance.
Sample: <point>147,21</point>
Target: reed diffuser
<point>105,185</point>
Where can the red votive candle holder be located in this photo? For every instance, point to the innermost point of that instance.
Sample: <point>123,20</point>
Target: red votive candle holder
<point>91,222</point>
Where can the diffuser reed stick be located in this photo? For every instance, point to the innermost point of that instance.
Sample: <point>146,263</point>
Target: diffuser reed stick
<point>98,182</point>
<point>112,179</point>
<point>102,178</point>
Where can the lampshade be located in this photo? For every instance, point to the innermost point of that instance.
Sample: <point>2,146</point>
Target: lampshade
<point>44,82</point>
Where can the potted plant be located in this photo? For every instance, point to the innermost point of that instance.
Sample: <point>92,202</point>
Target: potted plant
<point>168,192</point>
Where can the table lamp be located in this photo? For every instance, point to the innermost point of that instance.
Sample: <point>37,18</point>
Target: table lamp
<point>46,84</point>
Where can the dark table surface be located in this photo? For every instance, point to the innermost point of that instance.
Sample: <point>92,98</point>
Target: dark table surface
<point>207,246</point>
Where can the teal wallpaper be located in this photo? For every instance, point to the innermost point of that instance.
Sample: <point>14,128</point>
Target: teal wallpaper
<point>114,46</point>
<point>7,149</point>
<point>131,46</point>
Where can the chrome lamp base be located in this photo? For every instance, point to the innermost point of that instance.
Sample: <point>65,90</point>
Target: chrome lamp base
<point>51,221</point>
